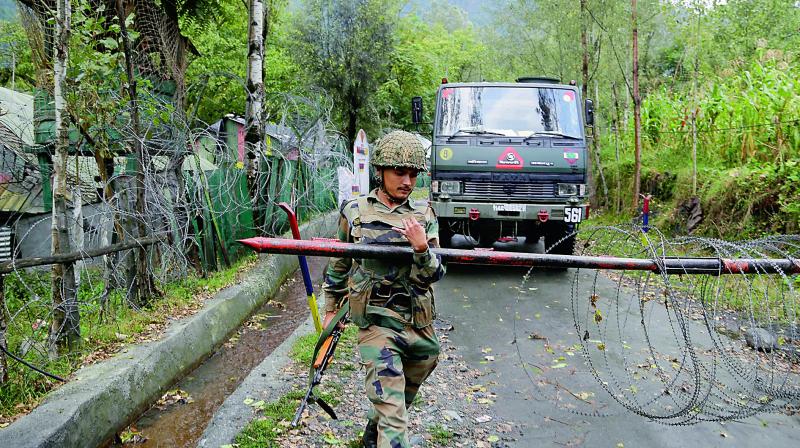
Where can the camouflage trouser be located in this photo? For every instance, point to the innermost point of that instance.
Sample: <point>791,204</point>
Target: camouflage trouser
<point>397,362</point>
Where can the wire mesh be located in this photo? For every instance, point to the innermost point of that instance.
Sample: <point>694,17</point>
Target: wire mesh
<point>681,349</point>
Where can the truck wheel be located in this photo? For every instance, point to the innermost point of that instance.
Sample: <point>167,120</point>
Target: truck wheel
<point>488,235</point>
<point>555,241</point>
<point>531,233</point>
<point>445,233</point>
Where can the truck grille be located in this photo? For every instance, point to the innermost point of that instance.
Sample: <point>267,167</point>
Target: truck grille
<point>510,191</point>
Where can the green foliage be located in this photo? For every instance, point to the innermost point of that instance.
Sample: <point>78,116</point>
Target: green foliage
<point>15,56</point>
<point>748,148</point>
<point>96,73</point>
<point>103,327</point>
<point>346,47</point>
<point>216,79</point>
<point>425,53</point>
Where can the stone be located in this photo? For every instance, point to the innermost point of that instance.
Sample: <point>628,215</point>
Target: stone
<point>761,339</point>
<point>453,415</point>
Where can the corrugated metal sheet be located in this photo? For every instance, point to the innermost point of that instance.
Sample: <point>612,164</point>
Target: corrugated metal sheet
<point>5,243</point>
<point>16,113</point>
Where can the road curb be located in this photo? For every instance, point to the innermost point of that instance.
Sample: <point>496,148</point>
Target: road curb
<point>105,397</point>
<point>265,382</point>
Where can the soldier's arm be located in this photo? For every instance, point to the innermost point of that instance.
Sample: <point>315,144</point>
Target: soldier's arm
<point>334,288</point>
<point>427,268</point>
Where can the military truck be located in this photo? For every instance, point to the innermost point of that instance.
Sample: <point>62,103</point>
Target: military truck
<point>509,160</point>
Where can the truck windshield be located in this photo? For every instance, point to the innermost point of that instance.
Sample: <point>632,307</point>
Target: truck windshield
<point>508,111</point>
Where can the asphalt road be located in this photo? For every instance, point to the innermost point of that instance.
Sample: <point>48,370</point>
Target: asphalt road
<point>482,303</point>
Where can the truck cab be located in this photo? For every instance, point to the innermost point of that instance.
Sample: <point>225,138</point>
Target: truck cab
<point>509,160</point>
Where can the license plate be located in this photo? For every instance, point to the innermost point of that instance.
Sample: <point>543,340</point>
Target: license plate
<point>509,207</point>
<point>573,214</point>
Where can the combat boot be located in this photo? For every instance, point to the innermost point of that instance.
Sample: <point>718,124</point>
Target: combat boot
<point>370,437</point>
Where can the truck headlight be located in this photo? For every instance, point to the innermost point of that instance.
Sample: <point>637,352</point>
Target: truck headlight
<point>450,187</point>
<point>571,189</point>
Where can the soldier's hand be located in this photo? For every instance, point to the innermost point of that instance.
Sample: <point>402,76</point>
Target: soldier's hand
<point>414,233</point>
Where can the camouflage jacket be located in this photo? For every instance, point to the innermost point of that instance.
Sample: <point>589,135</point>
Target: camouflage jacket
<point>366,220</point>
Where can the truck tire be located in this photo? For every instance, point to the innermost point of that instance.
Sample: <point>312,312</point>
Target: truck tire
<point>485,232</point>
<point>531,233</point>
<point>555,241</point>
<point>445,233</point>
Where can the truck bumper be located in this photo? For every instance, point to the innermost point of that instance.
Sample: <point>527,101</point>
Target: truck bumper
<point>503,211</point>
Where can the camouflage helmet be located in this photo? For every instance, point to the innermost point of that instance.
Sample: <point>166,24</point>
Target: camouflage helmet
<point>399,149</point>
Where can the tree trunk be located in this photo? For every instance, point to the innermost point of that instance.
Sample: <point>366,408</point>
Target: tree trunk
<point>254,125</point>
<point>352,121</point>
<point>585,48</point>
<point>596,142</point>
<point>616,125</point>
<point>584,95</point>
<point>637,111</point>
<point>65,328</point>
<point>144,285</point>
<point>255,71</point>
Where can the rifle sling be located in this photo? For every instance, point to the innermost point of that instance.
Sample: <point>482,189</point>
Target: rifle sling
<point>323,336</point>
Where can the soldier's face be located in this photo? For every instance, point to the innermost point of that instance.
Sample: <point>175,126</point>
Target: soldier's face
<point>399,182</point>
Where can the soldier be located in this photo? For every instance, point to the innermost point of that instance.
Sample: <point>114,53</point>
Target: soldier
<point>391,303</point>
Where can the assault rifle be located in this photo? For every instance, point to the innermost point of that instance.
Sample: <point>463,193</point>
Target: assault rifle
<point>323,354</point>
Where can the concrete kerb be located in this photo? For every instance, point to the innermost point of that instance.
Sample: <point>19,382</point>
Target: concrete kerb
<point>103,398</point>
<point>265,382</point>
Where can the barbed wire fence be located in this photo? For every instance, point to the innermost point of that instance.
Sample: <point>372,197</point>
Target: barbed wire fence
<point>678,348</point>
<point>198,200</point>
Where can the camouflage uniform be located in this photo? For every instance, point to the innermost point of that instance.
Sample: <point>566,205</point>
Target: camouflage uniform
<point>393,306</point>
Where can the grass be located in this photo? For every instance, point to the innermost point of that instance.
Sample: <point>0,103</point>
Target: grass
<point>440,435</point>
<point>102,333</point>
<point>303,348</point>
<point>276,416</point>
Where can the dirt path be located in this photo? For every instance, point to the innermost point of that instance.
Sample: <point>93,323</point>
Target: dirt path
<point>455,407</point>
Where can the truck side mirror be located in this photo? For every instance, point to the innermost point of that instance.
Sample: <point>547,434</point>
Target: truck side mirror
<point>589,111</point>
<point>416,110</point>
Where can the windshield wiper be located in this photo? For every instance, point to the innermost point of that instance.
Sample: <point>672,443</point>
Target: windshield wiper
<point>474,132</point>
<point>550,134</point>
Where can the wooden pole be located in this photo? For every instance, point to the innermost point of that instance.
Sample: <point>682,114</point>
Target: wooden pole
<point>13,265</point>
